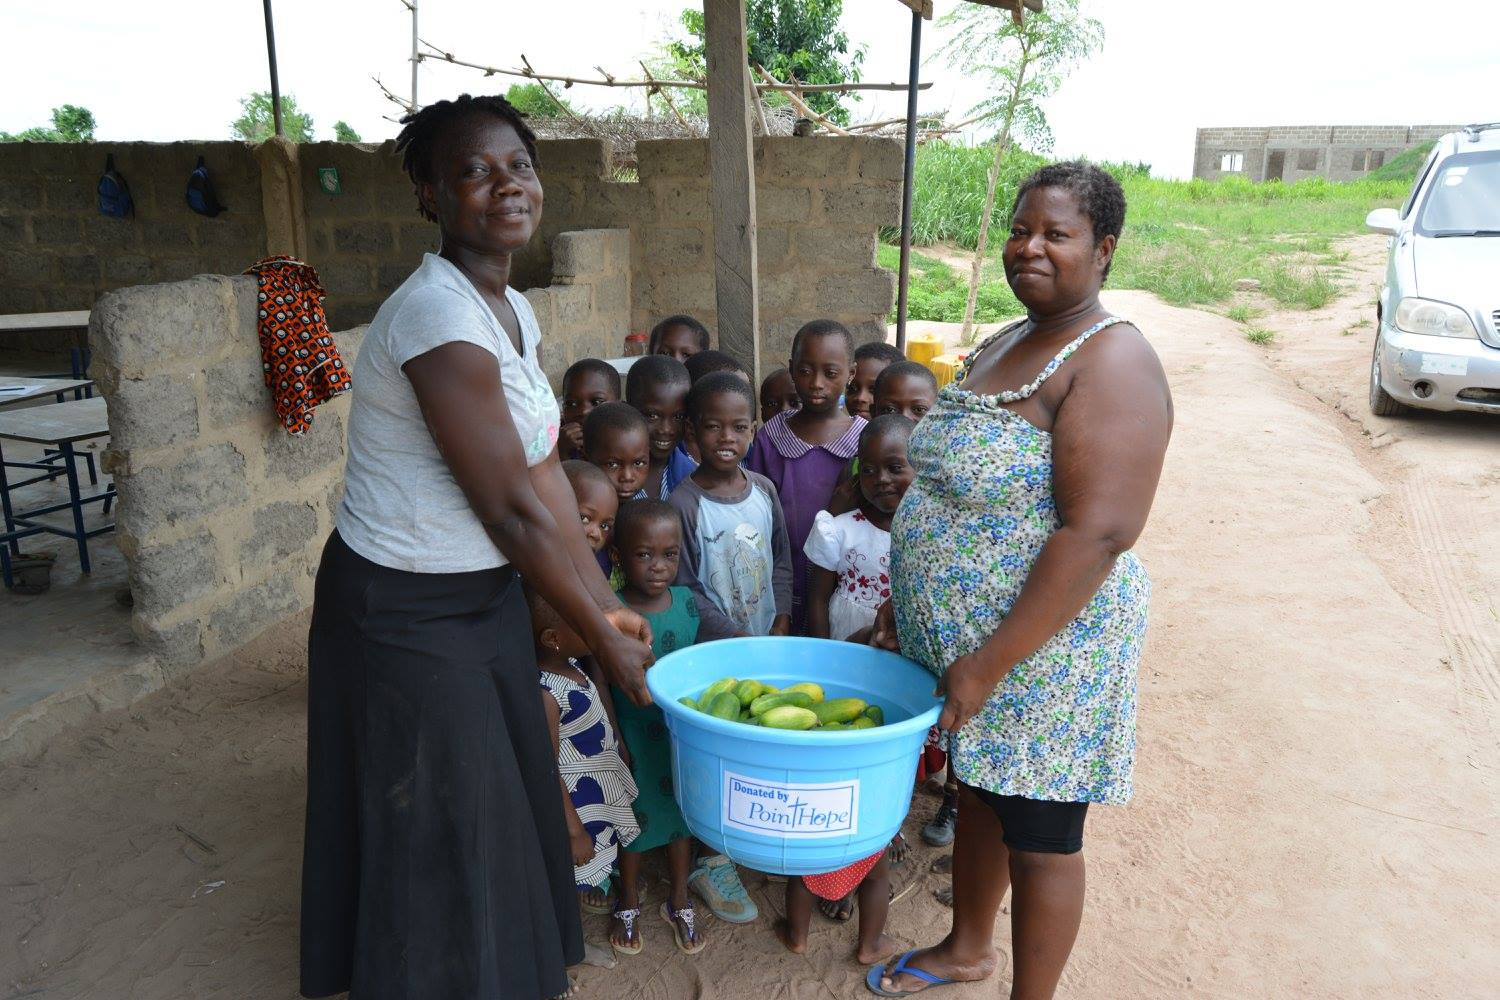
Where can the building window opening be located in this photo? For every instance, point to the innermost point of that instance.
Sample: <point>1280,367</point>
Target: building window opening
<point>1307,159</point>
<point>1232,162</point>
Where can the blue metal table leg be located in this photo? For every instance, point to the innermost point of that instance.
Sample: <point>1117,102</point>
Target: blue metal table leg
<point>10,525</point>
<point>75,500</point>
<point>88,458</point>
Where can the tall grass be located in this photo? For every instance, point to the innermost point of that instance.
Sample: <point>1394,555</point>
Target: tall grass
<point>1186,241</point>
<point>937,291</point>
<point>948,192</point>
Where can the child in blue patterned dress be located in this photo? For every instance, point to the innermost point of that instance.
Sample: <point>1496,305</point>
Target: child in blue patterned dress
<point>597,787</point>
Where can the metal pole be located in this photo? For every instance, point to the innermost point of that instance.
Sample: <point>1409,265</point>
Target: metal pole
<point>414,59</point>
<point>907,177</point>
<point>271,52</point>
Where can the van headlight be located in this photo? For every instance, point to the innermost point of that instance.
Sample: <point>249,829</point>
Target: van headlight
<point>1433,318</point>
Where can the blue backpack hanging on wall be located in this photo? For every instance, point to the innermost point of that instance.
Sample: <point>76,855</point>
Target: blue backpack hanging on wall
<point>201,196</point>
<point>114,194</point>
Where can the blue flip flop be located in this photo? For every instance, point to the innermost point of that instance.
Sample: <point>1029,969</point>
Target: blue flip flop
<point>872,979</point>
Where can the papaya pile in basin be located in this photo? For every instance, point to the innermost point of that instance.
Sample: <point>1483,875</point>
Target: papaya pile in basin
<point>796,706</point>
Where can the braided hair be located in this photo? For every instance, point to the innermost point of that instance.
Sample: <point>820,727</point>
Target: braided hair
<point>421,131</point>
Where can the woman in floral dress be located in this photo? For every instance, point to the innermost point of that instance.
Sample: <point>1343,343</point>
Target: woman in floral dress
<point>1012,580</point>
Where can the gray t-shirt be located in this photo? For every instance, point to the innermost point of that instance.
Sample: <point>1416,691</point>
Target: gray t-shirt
<point>402,508</point>
<point>735,552</point>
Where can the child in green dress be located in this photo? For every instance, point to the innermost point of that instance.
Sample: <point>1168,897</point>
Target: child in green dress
<point>648,539</point>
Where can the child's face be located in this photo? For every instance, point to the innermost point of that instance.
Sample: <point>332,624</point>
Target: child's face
<point>820,370</point>
<point>648,557</point>
<point>582,393</point>
<point>662,407</point>
<point>724,430</point>
<point>597,507</point>
<point>860,394</point>
<point>678,342</point>
<point>777,393</point>
<point>884,472</point>
<point>909,395</point>
<point>625,457</point>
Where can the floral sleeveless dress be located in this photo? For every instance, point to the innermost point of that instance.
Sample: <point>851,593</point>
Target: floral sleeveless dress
<point>1061,725</point>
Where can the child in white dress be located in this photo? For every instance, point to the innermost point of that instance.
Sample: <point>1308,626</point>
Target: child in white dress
<point>849,555</point>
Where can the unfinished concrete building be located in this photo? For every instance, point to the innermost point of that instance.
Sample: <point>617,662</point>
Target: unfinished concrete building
<point>1296,152</point>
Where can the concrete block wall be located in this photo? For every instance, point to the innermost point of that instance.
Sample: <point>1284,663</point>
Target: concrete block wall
<point>221,513</point>
<point>585,311</point>
<point>821,204</point>
<point>367,239</point>
<point>1333,148</point>
<point>58,253</point>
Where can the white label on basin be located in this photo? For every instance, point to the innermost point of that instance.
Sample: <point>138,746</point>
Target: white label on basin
<point>791,810</point>
<point>1442,364</point>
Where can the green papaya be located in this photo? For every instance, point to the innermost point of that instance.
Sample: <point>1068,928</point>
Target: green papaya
<point>715,689</point>
<point>766,702</point>
<point>813,691</point>
<point>875,714</point>
<point>864,722</point>
<point>839,710</point>
<point>689,702</point>
<point>832,727</point>
<point>788,717</point>
<point>747,691</point>
<point>725,706</point>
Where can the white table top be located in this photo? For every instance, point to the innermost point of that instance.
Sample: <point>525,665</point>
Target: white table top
<point>37,388</point>
<point>75,420</point>
<point>44,321</point>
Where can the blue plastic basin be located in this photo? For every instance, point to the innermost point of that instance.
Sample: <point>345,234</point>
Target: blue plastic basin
<point>786,802</point>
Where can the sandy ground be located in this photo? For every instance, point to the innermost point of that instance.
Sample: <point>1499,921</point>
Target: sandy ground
<point>1316,808</point>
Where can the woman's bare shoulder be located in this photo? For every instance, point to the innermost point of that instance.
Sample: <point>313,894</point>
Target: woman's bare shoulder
<point>1121,356</point>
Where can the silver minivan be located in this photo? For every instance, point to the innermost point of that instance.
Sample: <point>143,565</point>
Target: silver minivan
<point>1437,330</point>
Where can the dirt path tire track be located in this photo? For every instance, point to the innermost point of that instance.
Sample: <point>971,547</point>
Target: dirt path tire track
<point>1430,498</point>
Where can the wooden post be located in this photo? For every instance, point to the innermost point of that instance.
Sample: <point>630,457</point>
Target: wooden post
<point>731,156</point>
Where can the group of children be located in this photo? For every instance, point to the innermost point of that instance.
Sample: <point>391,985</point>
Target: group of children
<point>714,520</point>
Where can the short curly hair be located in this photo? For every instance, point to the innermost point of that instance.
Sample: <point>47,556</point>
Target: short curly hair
<point>1098,193</point>
<point>422,129</point>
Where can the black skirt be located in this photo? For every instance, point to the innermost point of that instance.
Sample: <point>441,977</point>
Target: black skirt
<point>436,863</point>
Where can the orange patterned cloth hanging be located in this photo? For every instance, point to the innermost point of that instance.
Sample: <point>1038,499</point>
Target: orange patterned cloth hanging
<point>302,365</point>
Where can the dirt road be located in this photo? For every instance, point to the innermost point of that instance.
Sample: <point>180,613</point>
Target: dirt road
<point>1316,810</point>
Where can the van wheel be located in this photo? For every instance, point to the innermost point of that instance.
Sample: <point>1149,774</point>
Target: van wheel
<point>1382,404</point>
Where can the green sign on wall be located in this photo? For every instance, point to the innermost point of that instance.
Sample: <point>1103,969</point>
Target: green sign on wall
<point>328,180</point>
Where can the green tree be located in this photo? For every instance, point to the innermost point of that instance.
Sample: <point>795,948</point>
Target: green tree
<point>798,39</point>
<point>256,122</point>
<point>70,123</point>
<point>533,101</point>
<point>1024,63</point>
<point>344,132</point>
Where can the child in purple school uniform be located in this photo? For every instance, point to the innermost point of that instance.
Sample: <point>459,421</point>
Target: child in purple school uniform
<point>805,451</point>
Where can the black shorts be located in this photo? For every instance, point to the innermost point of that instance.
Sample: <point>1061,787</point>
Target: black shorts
<point>1036,825</point>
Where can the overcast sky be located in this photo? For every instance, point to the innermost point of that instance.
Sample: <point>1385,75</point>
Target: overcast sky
<point>175,69</point>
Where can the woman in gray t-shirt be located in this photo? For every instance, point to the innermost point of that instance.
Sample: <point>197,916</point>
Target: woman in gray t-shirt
<point>437,859</point>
